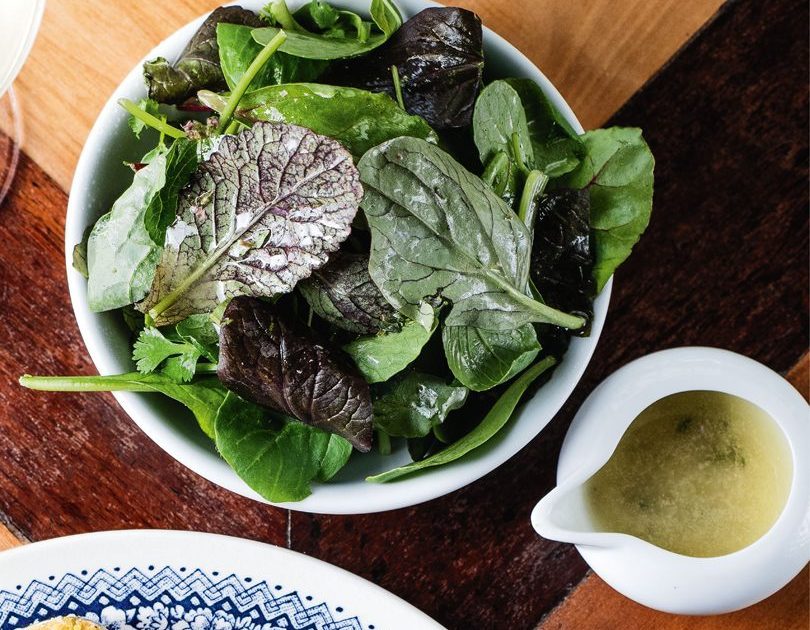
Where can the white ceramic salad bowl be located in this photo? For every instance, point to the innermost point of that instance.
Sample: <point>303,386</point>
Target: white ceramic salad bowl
<point>100,178</point>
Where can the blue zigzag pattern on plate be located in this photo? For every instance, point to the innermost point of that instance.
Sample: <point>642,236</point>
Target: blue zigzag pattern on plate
<point>167,600</point>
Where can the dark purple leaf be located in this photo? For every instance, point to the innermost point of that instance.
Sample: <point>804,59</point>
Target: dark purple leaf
<point>275,363</point>
<point>343,293</point>
<point>562,259</point>
<point>198,67</point>
<point>439,57</point>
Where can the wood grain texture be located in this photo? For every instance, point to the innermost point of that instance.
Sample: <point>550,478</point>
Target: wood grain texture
<point>7,539</point>
<point>596,606</point>
<point>593,604</point>
<point>724,263</point>
<point>76,463</point>
<point>597,52</point>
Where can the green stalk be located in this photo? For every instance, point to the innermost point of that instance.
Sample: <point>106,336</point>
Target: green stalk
<point>117,383</point>
<point>206,368</point>
<point>536,182</point>
<point>397,86</point>
<point>498,162</point>
<point>253,69</point>
<point>232,128</point>
<point>279,12</point>
<point>520,157</point>
<point>542,313</point>
<point>150,121</point>
<point>383,443</point>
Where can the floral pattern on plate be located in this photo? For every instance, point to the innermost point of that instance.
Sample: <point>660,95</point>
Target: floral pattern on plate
<point>171,598</point>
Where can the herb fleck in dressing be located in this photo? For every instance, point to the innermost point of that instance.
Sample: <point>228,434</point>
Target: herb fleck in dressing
<point>699,473</point>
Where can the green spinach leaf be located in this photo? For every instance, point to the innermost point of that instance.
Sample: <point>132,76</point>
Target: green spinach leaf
<point>358,119</point>
<point>258,215</point>
<point>493,422</point>
<point>336,41</point>
<point>121,254</point>
<point>499,124</point>
<point>618,174</point>
<point>482,359</point>
<point>556,147</point>
<point>278,459</point>
<point>181,160</point>
<point>237,49</point>
<point>413,405</point>
<point>514,118</point>
<point>379,357</point>
<point>440,234</point>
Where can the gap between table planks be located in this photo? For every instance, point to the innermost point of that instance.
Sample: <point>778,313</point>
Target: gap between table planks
<point>597,53</point>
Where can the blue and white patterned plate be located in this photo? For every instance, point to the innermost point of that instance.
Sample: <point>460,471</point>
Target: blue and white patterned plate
<point>169,580</point>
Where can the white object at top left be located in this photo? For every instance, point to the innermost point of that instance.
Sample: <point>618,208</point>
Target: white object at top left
<point>19,23</point>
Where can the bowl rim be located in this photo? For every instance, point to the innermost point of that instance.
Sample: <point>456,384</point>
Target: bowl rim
<point>329,498</point>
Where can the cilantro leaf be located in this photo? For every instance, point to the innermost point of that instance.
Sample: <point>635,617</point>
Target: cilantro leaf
<point>152,349</point>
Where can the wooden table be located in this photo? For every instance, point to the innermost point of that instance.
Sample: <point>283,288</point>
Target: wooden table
<point>721,93</point>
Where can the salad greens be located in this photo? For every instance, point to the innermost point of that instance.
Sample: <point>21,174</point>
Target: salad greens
<point>198,66</point>
<point>413,405</point>
<point>492,423</point>
<point>618,175</point>
<point>313,270</point>
<point>285,366</point>
<point>121,255</point>
<point>278,457</point>
<point>381,356</point>
<point>440,234</point>
<point>261,213</point>
<point>238,49</point>
<point>358,119</point>
<point>336,34</point>
<point>433,65</point>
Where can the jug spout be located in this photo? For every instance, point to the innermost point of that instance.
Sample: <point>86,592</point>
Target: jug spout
<point>563,515</point>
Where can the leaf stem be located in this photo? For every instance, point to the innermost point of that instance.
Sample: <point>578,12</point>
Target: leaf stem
<point>542,312</point>
<point>84,383</point>
<point>536,182</point>
<point>206,368</point>
<point>278,11</point>
<point>150,121</point>
<point>498,162</point>
<point>383,443</point>
<point>519,154</point>
<point>253,69</point>
<point>232,128</point>
<point>397,86</point>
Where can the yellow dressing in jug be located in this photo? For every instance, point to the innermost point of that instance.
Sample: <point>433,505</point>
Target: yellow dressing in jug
<point>699,473</point>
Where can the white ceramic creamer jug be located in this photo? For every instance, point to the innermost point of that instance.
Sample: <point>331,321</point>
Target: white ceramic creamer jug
<point>640,570</point>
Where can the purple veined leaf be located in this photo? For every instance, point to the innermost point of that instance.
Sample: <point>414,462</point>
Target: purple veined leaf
<point>260,214</point>
<point>344,294</point>
<point>273,362</point>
